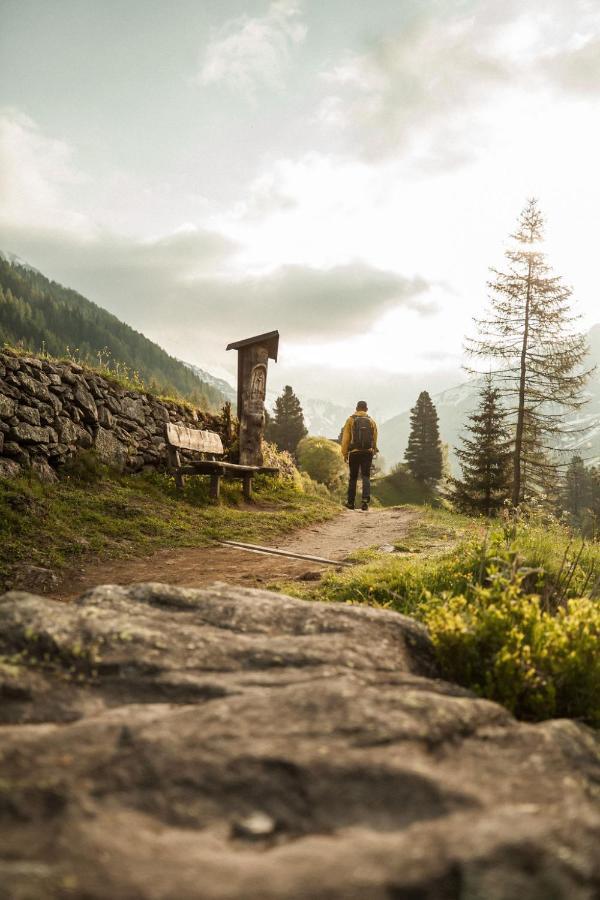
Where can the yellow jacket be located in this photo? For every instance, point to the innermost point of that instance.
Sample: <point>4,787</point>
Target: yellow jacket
<point>347,434</point>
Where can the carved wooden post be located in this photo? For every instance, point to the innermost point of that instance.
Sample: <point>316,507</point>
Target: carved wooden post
<point>253,358</point>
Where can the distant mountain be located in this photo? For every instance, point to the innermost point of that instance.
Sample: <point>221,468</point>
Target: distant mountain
<point>219,384</point>
<point>40,314</point>
<point>455,404</point>
<point>321,417</point>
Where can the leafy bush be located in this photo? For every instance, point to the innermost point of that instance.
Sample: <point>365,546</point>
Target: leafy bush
<point>502,644</point>
<point>513,615</point>
<point>284,461</point>
<point>401,487</point>
<point>322,459</point>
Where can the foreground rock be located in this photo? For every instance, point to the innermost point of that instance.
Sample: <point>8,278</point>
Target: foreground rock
<point>226,743</point>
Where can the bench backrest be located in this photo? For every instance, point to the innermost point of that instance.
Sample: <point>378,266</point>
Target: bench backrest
<point>194,439</point>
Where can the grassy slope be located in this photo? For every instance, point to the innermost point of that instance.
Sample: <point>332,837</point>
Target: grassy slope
<point>400,487</point>
<point>106,515</point>
<point>512,609</point>
<point>392,580</point>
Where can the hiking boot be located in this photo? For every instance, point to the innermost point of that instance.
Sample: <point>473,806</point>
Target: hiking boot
<point>349,505</point>
<point>364,506</point>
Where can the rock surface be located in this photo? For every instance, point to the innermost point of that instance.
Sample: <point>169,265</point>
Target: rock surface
<point>225,743</point>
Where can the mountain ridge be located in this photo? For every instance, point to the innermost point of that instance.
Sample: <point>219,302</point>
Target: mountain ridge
<point>38,313</point>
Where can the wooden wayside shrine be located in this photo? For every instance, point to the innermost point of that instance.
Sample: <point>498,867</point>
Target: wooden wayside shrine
<point>254,354</point>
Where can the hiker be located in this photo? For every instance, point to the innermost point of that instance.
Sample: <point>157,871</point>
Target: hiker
<point>359,445</point>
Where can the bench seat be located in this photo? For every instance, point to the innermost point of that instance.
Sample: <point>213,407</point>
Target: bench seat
<point>179,437</point>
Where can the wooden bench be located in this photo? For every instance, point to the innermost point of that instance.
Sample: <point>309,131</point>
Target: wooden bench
<point>209,444</point>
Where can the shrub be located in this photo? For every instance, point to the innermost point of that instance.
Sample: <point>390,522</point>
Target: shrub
<point>284,461</point>
<point>513,616</point>
<point>497,640</point>
<point>401,487</point>
<point>322,460</point>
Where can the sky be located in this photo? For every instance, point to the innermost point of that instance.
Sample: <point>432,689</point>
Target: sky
<point>346,172</point>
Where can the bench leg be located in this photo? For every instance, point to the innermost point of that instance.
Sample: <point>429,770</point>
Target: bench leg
<point>179,481</point>
<point>247,487</point>
<point>215,486</point>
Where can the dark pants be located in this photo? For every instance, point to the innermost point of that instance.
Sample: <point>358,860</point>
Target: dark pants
<point>360,461</point>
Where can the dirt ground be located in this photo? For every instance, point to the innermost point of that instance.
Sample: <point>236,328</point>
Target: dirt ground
<point>194,567</point>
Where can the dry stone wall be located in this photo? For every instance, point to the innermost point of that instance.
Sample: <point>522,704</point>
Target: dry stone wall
<point>51,410</point>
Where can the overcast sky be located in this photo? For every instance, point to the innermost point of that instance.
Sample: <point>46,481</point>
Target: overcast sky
<point>341,170</point>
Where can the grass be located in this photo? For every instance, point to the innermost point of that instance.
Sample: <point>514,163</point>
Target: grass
<point>400,487</point>
<point>115,373</point>
<point>425,559</point>
<point>513,610</point>
<point>94,512</point>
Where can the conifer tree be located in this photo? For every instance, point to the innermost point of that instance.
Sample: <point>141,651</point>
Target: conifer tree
<point>424,451</point>
<point>484,457</point>
<point>529,335</point>
<point>287,428</point>
<point>578,488</point>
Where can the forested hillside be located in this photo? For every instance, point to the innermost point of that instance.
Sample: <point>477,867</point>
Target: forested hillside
<point>42,315</point>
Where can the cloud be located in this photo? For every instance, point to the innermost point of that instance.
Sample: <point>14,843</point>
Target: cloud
<point>422,82</point>
<point>310,303</point>
<point>175,291</point>
<point>267,195</point>
<point>577,70</point>
<point>430,90</point>
<point>246,52</point>
<point>34,171</point>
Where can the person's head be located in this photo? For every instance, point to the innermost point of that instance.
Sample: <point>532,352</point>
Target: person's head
<point>361,406</point>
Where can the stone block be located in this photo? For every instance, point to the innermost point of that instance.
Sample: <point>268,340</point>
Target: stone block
<point>7,407</point>
<point>29,415</point>
<point>32,434</point>
<point>109,449</point>
<point>86,403</point>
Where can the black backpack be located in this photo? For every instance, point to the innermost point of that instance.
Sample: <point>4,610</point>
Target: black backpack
<point>362,433</point>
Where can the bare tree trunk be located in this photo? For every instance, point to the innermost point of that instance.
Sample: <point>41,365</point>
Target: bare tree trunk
<point>516,497</point>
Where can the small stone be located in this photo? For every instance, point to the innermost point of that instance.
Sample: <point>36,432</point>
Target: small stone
<point>32,434</point>
<point>15,451</point>
<point>109,448</point>
<point>30,361</point>
<point>134,409</point>
<point>29,415</point>
<point>9,468</point>
<point>86,402</point>
<point>255,827</point>
<point>105,417</point>
<point>44,472</point>
<point>7,407</point>
<point>33,387</point>
<point>311,575</point>
<point>73,433</point>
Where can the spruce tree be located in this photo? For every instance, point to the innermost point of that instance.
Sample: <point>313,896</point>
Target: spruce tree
<point>287,427</point>
<point>485,457</point>
<point>424,451</point>
<point>578,488</point>
<point>529,334</point>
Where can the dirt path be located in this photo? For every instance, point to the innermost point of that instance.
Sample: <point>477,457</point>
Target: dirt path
<point>193,567</point>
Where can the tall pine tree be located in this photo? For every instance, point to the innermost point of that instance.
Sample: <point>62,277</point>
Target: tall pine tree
<point>424,451</point>
<point>539,357</point>
<point>485,457</point>
<point>287,428</point>
<point>578,488</point>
